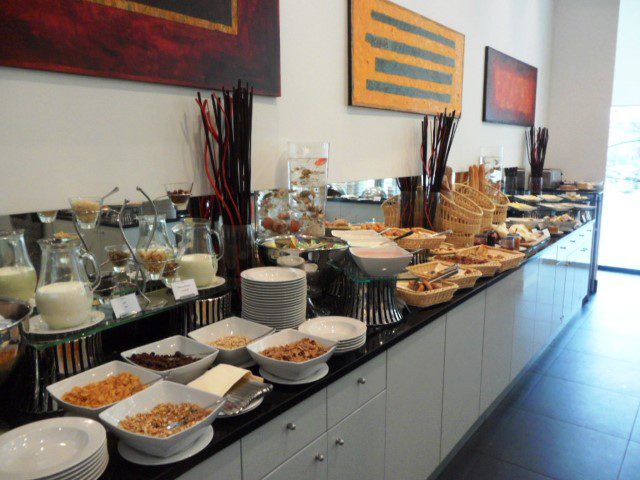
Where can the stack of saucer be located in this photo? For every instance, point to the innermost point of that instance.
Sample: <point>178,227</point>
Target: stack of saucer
<point>55,449</point>
<point>274,296</point>
<point>350,333</point>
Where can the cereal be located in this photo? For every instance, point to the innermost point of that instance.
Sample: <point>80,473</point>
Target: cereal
<point>86,210</point>
<point>299,351</point>
<point>154,259</point>
<point>118,258</point>
<point>162,362</point>
<point>231,342</point>
<point>155,422</point>
<point>105,392</point>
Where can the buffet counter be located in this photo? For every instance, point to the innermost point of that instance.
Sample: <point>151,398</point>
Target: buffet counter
<point>401,405</point>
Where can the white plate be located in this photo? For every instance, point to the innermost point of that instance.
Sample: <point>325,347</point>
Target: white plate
<point>217,281</point>
<point>273,275</point>
<point>321,372</point>
<point>140,458</point>
<point>339,329</point>
<point>252,406</point>
<point>354,342</point>
<point>49,447</point>
<point>37,326</point>
<point>88,471</point>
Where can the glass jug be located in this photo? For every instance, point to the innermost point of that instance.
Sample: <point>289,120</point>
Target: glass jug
<point>64,295</point>
<point>17,275</point>
<point>196,256</point>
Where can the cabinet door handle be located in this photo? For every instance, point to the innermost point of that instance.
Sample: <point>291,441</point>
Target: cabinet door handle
<point>319,457</point>
<point>339,441</point>
<point>362,380</point>
<point>291,426</point>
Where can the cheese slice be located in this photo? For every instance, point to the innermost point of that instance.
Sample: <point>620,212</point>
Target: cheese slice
<point>220,379</point>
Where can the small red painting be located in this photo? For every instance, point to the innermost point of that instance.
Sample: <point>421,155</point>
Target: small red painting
<point>509,90</point>
<point>201,43</point>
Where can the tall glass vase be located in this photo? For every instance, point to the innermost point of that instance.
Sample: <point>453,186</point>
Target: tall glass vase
<point>535,185</point>
<point>430,203</point>
<point>239,255</point>
<point>409,208</point>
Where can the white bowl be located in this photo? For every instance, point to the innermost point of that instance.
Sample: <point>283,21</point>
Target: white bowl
<point>58,389</point>
<point>231,326</point>
<point>51,447</point>
<point>381,262</point>
<point>171,345</point>
<point>285,369</point>
<point>337,329</point>
<point>370,242</point>
<point>273,275</point>
<point>145,401</point>
<point>349,234</point>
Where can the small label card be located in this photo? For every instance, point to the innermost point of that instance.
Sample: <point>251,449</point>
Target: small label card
<point>125,306</point>
<point>546,233</point>
<point>184,289</point>
<point>377,199</point>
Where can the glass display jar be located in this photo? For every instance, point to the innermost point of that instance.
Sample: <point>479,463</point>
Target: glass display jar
<point>154,248</point>
<point>492,159</point>
<point>535,185</point>
<point>17,275</point>
<point>64,295</point>
<point>308,178</point>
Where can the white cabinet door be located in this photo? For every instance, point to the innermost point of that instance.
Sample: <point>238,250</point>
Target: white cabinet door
<point>498,340</point>
<point>415,368</point>
<point>356,444</point>
<point>462,371</point>
<point>272,444</point>
<point>544,297</point>
<point>310,463</point>
<point>525,283</point>
<point>224,465</point>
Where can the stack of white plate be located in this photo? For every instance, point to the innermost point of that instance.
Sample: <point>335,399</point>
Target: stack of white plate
<point>55,449</point>
<point>274,296</point>
<point>350,333</point>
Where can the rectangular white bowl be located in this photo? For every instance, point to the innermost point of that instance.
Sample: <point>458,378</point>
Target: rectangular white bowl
<point>171,345</point>
<point>58,389</point>
<point>145,401</point>
<point>231,326</point>
<point>285,369</point>
<point>376,262</point>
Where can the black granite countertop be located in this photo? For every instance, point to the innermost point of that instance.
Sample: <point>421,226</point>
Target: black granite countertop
<point>228,431</point>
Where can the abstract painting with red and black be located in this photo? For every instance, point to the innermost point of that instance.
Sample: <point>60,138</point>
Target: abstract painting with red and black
<point>197,43</point>
<point>509,90</point>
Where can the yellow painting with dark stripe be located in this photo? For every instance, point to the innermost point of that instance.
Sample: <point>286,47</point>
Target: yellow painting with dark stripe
<point>400,60</point>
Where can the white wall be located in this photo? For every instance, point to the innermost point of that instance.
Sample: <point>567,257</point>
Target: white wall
<point>584,48</point>
<point>62,135</point>
<point>626,79</point>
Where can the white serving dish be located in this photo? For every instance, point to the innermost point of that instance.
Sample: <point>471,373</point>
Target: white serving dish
<point>58,389</point>
<point>336,329</point>
<point>350,234</point>
<point>285,369</point>
<point>380,262</point>
<point>51,448</point>
<point>171,345</point>
<point>231,326</point>
<point>145,401</point>
<point>367,242</point>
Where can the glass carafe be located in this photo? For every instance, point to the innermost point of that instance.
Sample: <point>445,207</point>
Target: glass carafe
<point>196,256</point>
<point>17,275</point>
<point>65,294</point>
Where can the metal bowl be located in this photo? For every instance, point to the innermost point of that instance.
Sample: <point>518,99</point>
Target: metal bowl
<point>319,256</point>
<point>12,314</point>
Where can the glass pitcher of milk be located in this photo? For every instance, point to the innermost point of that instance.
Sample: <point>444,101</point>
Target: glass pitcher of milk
<point>17,275</point>
<point>64,295</point>
<point>196,256</point>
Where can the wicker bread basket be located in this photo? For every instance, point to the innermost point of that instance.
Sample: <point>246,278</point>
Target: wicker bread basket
<point>501,202</point>
<point>427,299</point>
<point>488,269</point>
<point>416,241</point>
<point>509,260</point>
<point>483,201</point>
<point>460,240</point>
<point>444,249</point>
<point>465,278</point>
<point>459,214</point>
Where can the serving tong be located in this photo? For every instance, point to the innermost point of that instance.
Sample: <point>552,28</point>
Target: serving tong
<point>446,273</point>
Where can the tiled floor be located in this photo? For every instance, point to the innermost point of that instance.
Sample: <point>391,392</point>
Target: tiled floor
<point>575,413</point>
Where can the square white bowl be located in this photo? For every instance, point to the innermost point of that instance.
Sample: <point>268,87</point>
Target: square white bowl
<point>58,389</point>
<point>285,369</point>
<point>145,401</point>
<point>231,326</point>
<point>381,262</point>
<point>171,345</point>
